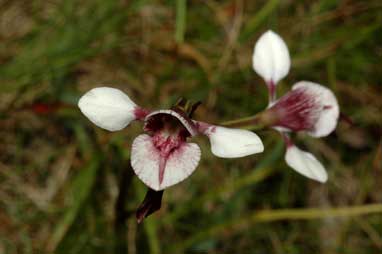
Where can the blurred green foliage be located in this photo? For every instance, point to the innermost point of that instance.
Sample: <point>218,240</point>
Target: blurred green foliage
<point>60,176</point>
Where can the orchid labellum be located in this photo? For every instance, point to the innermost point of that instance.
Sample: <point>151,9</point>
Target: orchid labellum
<point>308,107</point>
<point>162,156</point>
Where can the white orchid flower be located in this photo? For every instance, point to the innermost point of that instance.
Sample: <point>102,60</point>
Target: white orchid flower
<point>162,157</point>
<point>308,107</point>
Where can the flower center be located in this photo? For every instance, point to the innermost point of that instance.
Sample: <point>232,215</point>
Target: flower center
<point>169,131</point>
<point>166,141</point>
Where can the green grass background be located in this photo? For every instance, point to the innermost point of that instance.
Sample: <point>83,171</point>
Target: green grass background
<point>61,176</point>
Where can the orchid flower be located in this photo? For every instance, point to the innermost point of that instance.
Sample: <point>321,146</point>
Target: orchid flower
<point>308,107</point>
<point>163,157</point>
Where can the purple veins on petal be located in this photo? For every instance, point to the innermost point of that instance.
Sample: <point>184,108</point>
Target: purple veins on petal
<point>297,110</point>
<point>164,158</point>
<point>329,109</point>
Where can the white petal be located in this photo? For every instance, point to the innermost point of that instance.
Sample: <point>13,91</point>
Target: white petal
<point>305,163</point>
<point>271,58</point>
<point>108,108</point>
<point>327,121</point>
<point>145,160</point>
<point>233,143</point>
<point>181,164</point>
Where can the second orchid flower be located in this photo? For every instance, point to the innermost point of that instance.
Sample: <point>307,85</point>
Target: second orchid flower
<point>308,107</point>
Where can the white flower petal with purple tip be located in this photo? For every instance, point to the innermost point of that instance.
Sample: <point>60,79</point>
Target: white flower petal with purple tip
<point>329,110</point>
<point>271,58</point>
<point>233,143</point>
<point>108,108</point>
<point>146,161</point>
<point>305,163</point>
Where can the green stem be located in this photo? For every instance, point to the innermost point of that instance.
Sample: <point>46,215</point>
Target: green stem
<point>241,122</point>
<point>180,23</point>
<point>259,121</point>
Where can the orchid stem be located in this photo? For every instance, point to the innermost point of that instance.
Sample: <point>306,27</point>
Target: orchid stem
<point>255,122</point>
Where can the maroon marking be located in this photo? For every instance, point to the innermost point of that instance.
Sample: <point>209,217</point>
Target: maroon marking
<point>326,107</point>
<point>162,167</point>
<point>151,204</point>
<point>140,113</point>
<point>272,90</point>
<point>297,110</point>
<point>202,127</point>
<point>166,145</point>
<point>165,121</point>
<point>287,140</point>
